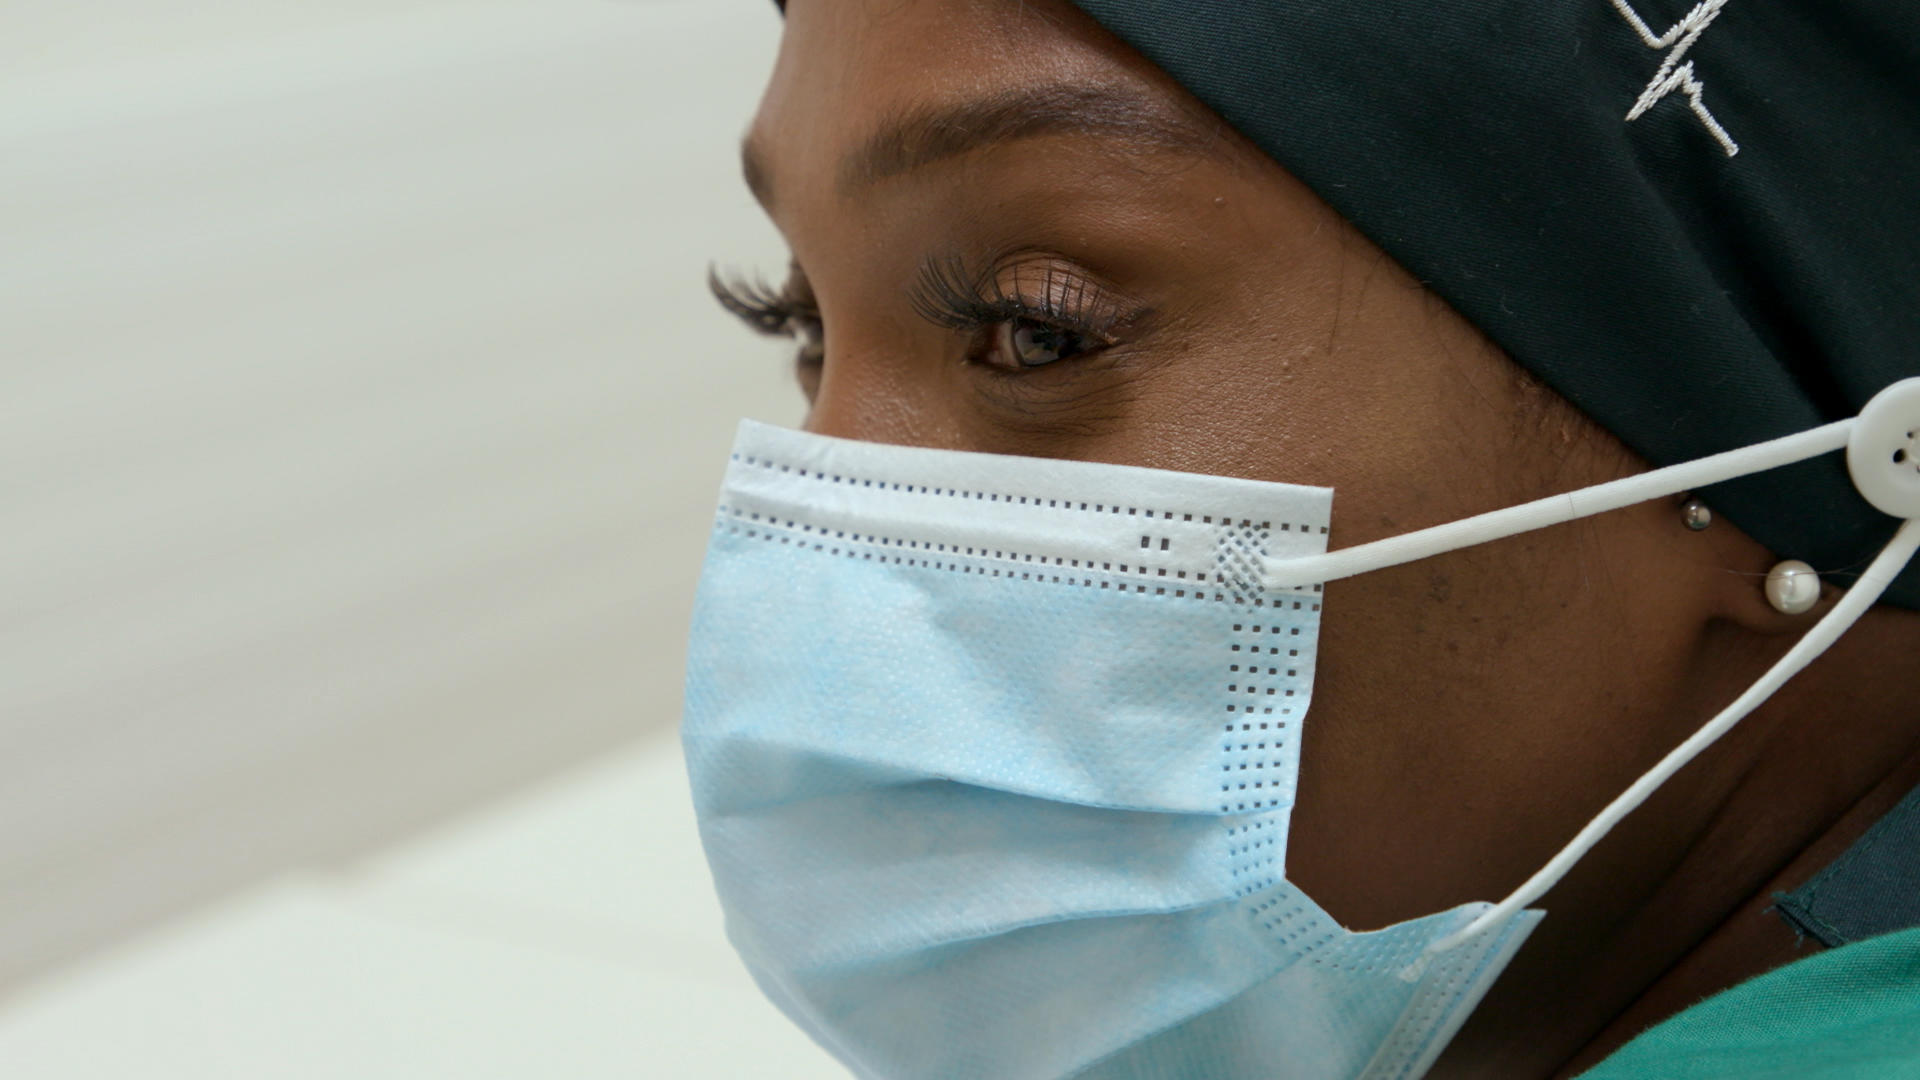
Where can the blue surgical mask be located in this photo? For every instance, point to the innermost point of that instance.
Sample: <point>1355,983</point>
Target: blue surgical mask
<point>994,760</point>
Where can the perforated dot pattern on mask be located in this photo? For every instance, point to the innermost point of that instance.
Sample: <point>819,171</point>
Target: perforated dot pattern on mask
<point>1266,684</point>
<point>956,558</point>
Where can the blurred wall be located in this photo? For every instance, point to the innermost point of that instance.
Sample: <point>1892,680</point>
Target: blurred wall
<point>361,409</point>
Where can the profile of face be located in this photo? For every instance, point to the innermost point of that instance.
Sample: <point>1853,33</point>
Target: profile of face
<point>1013,234</point>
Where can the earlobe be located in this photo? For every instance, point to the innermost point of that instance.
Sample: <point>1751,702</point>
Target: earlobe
<point>1765,594</point>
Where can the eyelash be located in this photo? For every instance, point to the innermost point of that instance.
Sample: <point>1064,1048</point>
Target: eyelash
<point>948,294</point>
<point>788,311</point>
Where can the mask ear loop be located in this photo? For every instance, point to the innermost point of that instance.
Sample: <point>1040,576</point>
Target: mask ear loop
<point>1853,603</point>
<point>1289,573</point>
<point>1304,570</point>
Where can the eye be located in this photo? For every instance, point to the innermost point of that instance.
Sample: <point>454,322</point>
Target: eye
<point>1026,343</point>
<point>789,311</point>
<point>1022,312</point>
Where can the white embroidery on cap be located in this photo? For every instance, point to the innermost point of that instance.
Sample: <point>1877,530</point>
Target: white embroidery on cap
<point>1674,75</point>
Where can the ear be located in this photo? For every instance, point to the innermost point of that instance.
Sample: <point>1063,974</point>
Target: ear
<point>1736,584</point>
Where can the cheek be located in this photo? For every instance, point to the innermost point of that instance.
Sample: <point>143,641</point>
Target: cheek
<point>874,391</point>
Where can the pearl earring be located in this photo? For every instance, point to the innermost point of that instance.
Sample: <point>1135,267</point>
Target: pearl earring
<point>1792,587</point>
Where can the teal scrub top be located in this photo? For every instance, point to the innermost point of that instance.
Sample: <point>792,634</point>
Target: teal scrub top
<point>1851,1012</point>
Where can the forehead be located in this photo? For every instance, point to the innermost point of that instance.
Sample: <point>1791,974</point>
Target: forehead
<point>858,47</point>
<point>846,66</point>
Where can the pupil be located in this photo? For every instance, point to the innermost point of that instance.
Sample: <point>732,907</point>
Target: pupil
<point>1036,345</point>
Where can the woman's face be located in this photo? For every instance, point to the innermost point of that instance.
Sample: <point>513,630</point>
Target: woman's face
<point>1012,234</point>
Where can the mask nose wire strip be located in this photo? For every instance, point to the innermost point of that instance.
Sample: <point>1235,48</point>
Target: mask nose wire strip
<point>1287,573</point>
<point>1879,574</point>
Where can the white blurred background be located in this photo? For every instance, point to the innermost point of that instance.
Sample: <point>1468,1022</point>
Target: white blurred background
<point>361,411</point>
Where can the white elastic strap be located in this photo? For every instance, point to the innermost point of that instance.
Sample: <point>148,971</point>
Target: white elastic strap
<point>1554,509</point>
<point>1885,567</point>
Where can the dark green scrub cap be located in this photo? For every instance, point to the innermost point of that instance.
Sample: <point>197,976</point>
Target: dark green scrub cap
<point>1701,224</point>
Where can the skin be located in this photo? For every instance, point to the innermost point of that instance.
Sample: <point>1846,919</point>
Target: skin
<point>1471,711</point>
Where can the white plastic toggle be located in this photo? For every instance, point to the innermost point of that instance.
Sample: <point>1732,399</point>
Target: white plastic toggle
<point>1883,452</point>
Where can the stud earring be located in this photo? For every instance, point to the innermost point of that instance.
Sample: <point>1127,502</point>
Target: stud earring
<point>1792,587</point>
<point>1695,515</point>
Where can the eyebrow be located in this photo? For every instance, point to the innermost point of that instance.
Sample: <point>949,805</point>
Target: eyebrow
<point>926,134</point>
